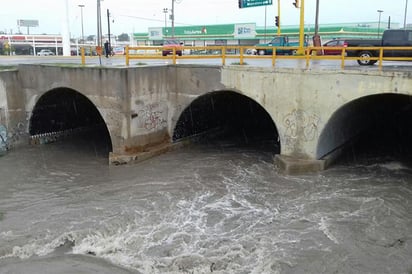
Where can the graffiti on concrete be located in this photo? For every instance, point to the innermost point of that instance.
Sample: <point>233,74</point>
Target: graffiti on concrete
<point>178,110</point>
<point>17,132</point>
<point>302,125</point>
<point>152,117</point>
<point>3,139</point>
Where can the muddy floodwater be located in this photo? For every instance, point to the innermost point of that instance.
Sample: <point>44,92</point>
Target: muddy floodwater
<point>200,209</point>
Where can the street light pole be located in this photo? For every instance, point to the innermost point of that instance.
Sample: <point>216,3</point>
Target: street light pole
<point>278,33</point>
<point>301,49</point>
<point>165,11</point>
<point>265,21</point>
<point>406,12</point>
<point>108,29</point>
<point>379,23</point>
<point>173,18</point>
<point>316,37</point>
<point>99,24</point>
<point>317,18</point>
<point>81,14</point>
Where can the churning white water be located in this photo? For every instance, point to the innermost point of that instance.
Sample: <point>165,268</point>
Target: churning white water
<point>200,210</point>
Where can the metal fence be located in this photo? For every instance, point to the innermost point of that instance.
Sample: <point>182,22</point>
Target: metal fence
<point>243,53</point>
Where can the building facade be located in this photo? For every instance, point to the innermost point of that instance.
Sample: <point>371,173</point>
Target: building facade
<point>250,34</point>
<point>244,34</point>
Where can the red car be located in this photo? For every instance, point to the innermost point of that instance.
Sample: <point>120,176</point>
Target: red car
<point>334,43</point>
<point>168,46</point>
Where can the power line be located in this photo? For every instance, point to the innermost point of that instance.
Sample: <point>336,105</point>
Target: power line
<point>153,20</point>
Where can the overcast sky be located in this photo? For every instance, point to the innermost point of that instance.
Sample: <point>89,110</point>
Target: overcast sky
<point>129,16</point>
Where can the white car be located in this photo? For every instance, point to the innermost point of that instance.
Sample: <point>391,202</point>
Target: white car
<point>45,52</point>
<point>251,51</point>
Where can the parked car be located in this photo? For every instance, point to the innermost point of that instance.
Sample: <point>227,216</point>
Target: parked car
<point>45,52</point>
<point>339,43</point>
<point>169,45</point>
<point>251,51</point>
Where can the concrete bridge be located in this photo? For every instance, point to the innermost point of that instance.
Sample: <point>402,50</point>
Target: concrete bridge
<point>310,114</point>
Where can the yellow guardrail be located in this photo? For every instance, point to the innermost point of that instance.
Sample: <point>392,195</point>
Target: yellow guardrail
<point>243,53</point>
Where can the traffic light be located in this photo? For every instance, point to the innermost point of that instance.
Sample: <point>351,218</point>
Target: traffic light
<point>277,21</point>
<point>296,4</point>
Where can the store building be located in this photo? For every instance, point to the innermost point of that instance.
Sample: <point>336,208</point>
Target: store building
<point>250,34</point>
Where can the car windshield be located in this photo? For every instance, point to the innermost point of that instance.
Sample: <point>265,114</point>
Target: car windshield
<point>171,42</point>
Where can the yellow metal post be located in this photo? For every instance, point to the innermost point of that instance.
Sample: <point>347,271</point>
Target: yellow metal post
<point>342,64</point>
<point>273,57</point>
<point>241,55</point>
<point>279,17</point>
<point>380,58</point>
<point>174,56</point>
<point>302,28</point>
<point>83,57</point>
<point>223,56</point>
<point>127,55</point>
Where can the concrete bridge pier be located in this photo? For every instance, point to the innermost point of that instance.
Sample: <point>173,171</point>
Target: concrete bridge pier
<point>293,165</point>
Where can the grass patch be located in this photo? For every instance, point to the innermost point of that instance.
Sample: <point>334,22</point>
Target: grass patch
<point>239,64</point>
<point>65,65</point>
<point>7,67</point>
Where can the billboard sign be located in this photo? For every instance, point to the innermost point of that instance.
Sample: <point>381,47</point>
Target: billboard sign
<point>27,23</point>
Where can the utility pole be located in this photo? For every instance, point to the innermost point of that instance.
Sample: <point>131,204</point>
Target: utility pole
<point>99,32</point>
<point>108,27</point>
<point>316,36</point>
<point>99,24</point>
<point>317,18</point>
<point>165,11</point>
<point>265,21</point>
<point>379,24</point>
<point>302,28</point>
<point>406,12</point>
<point>65,31</point>
<point>81,14</point>
<point>279,18</point>
<point>172,15</point>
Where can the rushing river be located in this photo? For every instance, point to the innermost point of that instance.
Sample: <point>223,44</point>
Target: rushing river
<point>201,209</point>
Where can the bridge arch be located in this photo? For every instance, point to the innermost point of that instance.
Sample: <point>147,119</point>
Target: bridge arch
<point>228,114</point>
<point>373,124</point>
<point>64,111</point>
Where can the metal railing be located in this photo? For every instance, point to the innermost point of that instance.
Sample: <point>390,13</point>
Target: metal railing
<point>240,53</point>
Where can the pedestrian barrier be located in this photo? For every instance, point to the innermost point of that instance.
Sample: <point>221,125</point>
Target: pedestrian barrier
<point>242,53</point>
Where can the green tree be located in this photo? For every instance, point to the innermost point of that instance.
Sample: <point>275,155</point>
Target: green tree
<point>123,37</point>
<point>91,38</point>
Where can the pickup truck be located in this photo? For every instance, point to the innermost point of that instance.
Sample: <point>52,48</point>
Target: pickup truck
<point>278,41</point>
<point>390,38</point>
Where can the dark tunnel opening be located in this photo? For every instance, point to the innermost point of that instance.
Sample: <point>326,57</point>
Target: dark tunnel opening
<point>376,128</point>
<point>228,118</point>
<point>66,112</point>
